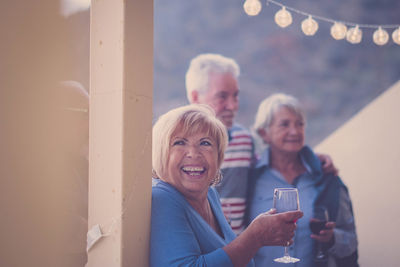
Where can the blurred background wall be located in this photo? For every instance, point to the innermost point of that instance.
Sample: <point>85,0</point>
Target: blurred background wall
<point>43,172</point>
<point>44,132</point>
<point>366,149</point>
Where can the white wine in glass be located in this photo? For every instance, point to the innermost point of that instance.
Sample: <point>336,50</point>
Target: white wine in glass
<point>286,199</point>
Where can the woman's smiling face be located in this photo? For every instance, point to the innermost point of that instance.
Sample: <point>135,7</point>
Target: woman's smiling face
<point>286,132</point>
<point>192,163</point>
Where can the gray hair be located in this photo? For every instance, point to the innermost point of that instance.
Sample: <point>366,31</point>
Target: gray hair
<point>190,119</point>
<point>201,66</point>
<point>270,105</point>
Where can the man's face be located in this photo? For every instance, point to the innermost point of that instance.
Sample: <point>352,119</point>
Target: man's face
<point>222,96</point>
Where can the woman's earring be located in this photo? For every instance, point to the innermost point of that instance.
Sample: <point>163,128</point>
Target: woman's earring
<point>217,178</point>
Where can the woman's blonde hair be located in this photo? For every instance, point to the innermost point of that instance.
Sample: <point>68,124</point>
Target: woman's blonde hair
<point>189,119</point>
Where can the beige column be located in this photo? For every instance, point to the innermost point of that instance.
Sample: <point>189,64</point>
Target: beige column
<point>120,131</point>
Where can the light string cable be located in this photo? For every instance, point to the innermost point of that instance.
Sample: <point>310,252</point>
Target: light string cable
<point>339,29</point>
<point>372,26</point>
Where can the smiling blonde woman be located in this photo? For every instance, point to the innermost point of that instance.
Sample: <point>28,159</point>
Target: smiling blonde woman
<point>188,227</point>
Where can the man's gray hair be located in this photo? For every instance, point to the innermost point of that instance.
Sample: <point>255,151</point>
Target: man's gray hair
<point>200,68</point>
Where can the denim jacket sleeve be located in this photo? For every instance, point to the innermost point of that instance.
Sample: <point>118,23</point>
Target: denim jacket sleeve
<point>345,232</point>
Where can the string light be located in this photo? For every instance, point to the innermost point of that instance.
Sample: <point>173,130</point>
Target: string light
<point>283,18</point>
<point>396,36</point>
<point>380,36</point>
<point>339,30</point>
<point>354,35</point>
<point>309,26</point>
<point>252,7</point>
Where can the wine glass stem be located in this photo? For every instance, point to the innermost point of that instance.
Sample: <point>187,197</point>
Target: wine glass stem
<point>319,252</point>
<point>287,251</point>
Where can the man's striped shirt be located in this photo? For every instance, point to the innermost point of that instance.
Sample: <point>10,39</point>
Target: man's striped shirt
<point>235,170</point>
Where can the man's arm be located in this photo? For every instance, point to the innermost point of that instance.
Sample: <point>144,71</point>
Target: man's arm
<point>327,164</point>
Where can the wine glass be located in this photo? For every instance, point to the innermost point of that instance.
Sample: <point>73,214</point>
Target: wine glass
<point>286,199</point>
<point>317,223</point>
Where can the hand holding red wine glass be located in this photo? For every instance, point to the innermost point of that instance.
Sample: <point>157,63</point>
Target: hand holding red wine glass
<point>317,224</point>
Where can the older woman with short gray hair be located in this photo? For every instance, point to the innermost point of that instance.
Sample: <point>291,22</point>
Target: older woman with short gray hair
<point>288,163</point>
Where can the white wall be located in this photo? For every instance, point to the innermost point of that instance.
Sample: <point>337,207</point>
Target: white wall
<point>366,150</point>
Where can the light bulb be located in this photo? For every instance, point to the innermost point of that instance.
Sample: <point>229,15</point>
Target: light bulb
<point>252,7</point>
<point>338,31</point>
<point>380,36</point>
<point>396,36</point>
<point>309,26</point>
<point>354,35</point>
<point>283,18</point>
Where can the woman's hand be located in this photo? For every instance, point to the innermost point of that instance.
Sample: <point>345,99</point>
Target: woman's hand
<point>326,234</point>
<point>268,229</point>
<point>276,229</point>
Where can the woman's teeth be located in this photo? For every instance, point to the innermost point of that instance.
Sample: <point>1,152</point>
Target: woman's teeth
<point>194,171</point>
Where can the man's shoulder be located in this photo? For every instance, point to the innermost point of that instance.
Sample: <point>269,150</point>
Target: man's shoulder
<point>238,127</point>
<point>238,130</point>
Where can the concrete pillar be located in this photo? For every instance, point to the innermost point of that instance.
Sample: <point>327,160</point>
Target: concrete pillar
<point>120,131</point>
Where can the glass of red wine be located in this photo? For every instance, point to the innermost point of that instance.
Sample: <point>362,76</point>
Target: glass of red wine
<point>286,199</point>
<point>317,224</point>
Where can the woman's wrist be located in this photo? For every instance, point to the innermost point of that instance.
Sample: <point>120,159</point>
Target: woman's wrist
<point>244,247</point>
<point>253,230</point>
